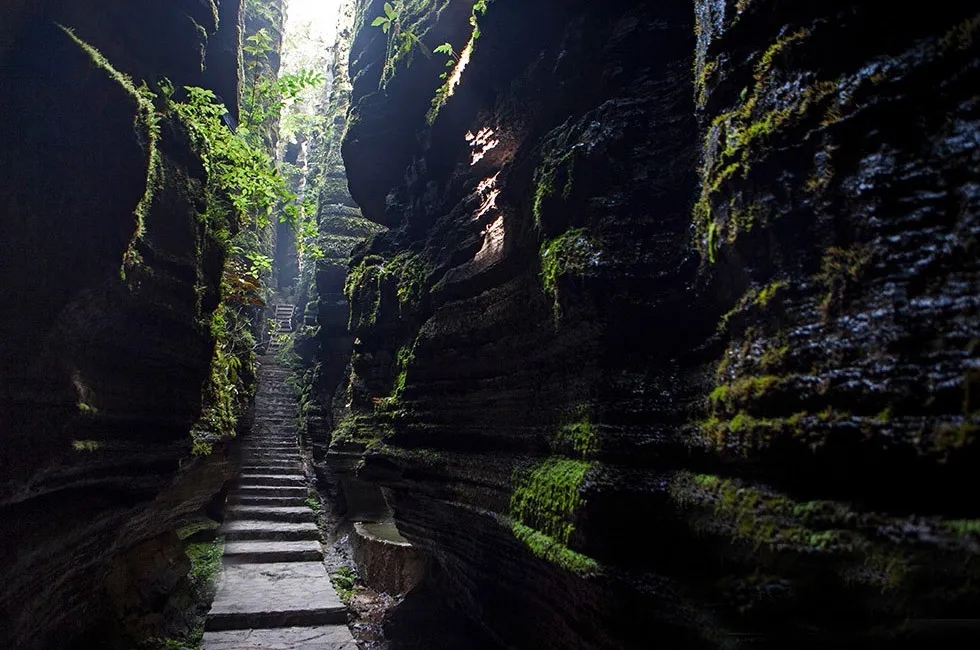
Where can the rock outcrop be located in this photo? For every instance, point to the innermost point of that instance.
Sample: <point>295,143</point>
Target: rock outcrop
<point>108,282</point>
<point>673,334</point>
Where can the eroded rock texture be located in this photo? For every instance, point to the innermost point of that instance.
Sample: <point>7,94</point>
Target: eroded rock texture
<point>107,282</point>
<point>673,337</point>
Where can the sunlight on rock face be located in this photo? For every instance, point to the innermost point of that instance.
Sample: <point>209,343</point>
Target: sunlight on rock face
<point>481,143</point>
<point>489,192</point>
<point>457,75</point>
<point>493,241</point>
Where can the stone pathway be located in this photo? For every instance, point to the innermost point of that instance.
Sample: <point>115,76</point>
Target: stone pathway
<point>274,592</point>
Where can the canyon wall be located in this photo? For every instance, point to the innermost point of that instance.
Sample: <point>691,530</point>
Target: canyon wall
<point>673,334</point>
<point>109,280</point>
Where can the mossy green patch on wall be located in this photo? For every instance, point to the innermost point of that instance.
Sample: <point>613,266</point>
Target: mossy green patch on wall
<point>547,495</point>
<point>549,549</point>
<point>147,128</point>
<point>568,255</point>
<point>579,437</point>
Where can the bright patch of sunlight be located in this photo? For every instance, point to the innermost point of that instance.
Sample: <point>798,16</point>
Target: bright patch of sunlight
<point>493,240</point>
<point>488,192</point>
<point>481,143</point>
<point>493,233</point>
<point>457,75</point>
<point>321,14</point>
<point>310,33</point>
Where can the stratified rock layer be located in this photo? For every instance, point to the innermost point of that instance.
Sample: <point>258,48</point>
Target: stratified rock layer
<point>661,356</point>
<point>108,283</point>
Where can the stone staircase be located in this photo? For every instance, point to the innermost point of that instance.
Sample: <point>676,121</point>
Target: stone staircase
<point>274,591</point>
<point>284,316</point>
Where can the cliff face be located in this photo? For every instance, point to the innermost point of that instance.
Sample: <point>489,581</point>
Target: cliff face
<point>108,283</point>
<point>674,331</point>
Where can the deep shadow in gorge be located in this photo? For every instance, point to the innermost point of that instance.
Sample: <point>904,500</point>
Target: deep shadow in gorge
<point>661,329</point>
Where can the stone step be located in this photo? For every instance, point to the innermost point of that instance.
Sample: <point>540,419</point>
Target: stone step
<point>323,637</point>
<point>244,529</point>
<point>272,490</point>
<point>261,457</point>
<point>271,513</point>
<point>273,551</point>
<point>274,454</point>
<point>274,595</point>
<point>285,451</point>
<point>248,500</point>
<point>273,479</point>
<point>287,470</point>
<point>261,465</point>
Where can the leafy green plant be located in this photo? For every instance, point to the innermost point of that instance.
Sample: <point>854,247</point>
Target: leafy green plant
<point>313,503</point>
<point>388,20</point>
<point>452,61</point>
<point>403,42</point>
<point>344,579</point>
<point>265,96</point>
<point>456,63</point>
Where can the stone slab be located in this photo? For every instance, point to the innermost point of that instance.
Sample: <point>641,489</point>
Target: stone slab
<point>271,513</point>
<point>273,479</point>
<point>272,490</point>
<point>280,594</point>
<point>325,637</point>
<point>245,529</point>
<point>273,551</point>
<point>275,500</point>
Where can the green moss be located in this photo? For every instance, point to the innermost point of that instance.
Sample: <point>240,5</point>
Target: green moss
<point>363,290</point>
<point>190,529</point>
<point>363,286</point>
<point>765,518</point>
<point>745,433</point>
<point>728,396</point>
<point>740,134</point>
<point>569,254</point>
<point>362,428</point>
<point>554,176</point>
<point>579,437</point>
<point>760,298</point>
<point>147,127</point>
<point>841,268</point>
<point>547,496</point>
<point>701,79</point>
<point>773,357</point>
<point>963,527</point>
<point>551,550</point>
<point>205,560</point>
<point>344,580</point>
<point>403,359</point>
<point>768,292</point>
<point>86,445</point>
<point>231,382</point>
<point>410,272</point>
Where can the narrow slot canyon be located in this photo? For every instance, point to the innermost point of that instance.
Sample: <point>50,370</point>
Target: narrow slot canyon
<point>489,325</point>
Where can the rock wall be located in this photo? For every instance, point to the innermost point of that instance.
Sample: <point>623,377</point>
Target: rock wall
<point>108,282</point>
<point>673,336</point>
